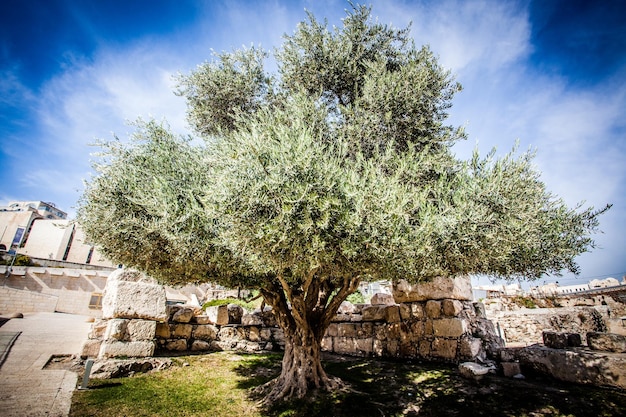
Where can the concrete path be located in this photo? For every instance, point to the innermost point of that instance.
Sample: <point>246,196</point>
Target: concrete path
<point>28,390</point>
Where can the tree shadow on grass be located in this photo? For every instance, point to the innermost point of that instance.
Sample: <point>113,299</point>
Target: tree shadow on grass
<point>409,388</point>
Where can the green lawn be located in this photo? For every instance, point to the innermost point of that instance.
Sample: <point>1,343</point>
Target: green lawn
<point>218,384</point>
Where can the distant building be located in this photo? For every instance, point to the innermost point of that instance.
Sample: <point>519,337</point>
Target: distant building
<point>40,230</point>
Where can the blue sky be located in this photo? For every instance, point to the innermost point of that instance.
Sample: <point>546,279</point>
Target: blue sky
<point>549,73</point>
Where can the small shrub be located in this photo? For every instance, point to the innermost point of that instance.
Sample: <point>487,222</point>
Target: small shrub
<point>224,301</point>
<point>356,298</point>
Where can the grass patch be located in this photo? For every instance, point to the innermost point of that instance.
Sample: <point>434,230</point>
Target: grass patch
<point>218,384</point>
<point>249,306</point>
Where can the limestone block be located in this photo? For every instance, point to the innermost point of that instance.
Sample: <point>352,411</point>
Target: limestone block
<point>344,345</point>
<point>471,348</point>
<point>200,345</point>
<point>341,318</point>
<point>408,350</point>
<point>394,330</point>
<point>346,307</point>
<point>182,314</point>
<point>218,314</point>
<point>252,319</point>
<point>417,329</point>
<point>202,319</point>
<point>458,288</point>
<point>116,348</point>
<point>332,330</point>
<point>417,310</point>
<point>254,334</point>
<point>364,346</point>
<point>479,310</point>
<point>98,329</point>
<point>379,347</point>
<point>451,308</point>
<point>179,330</point>
<point>432,309</point>
<point>90,349</point>
<point>278,335</point>
<point>163,330</point>
<point>364,330</point>
<point>129,294</point>
<point>607,342</point>
<point>141,330</point>
<point>205,332</point>
<point>510,369</point>
<point>425,348</point>
<point>179,345</point>
<point>382,299</point>
<point>473,370</point>
<point>449,327</point>
<point>346,330</point>
<point>265,334</point>
<point>405,311</point>
<point>235,312</point>
<point>392,314</point>
<point>444,348</point>
<point>116,329</point>
<point>393,348</point>
<point>228,333</point>
<point>356,317</point>
<point>374,313</point>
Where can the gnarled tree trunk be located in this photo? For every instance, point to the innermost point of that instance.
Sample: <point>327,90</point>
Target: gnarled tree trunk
<point>304,314</point>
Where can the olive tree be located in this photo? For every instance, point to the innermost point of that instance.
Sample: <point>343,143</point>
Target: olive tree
<point>334,170</point>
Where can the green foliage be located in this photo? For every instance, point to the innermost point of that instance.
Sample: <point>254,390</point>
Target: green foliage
<point>249,306</point>
<point>23,260</point>
<point>356,298</point>
<point>527,302</point>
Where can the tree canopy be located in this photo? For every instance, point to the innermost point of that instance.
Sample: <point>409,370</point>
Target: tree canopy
<point>337,169</point>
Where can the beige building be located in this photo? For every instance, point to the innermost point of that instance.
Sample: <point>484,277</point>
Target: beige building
<point>41,231</point>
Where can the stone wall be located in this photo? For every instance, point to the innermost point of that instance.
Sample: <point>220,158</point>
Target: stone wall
<point>450,329</point>
<point>71,290</point>
<point>525,326</point>
<point>18,301</point>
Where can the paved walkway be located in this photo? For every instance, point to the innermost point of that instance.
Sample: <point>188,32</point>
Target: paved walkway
<point>26,389</point>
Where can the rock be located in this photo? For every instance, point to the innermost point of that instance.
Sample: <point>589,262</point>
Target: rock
<point>181,314</point>
<point>130,294</point>
<point>138,330</point>
<point>252,319</point>
<point>432,309</point>
<point>373,313</point>
<point>202,319</point>
<point>448,327</point>
<point>116,329</point>
<point>606,342</point>
<point>235,312</point>
<point>200,345</point>
<point>471,370</point>
<point>16,316</point>
<point>451,308</point>
<point>205,332</point>
<point>176,345</point>
<point>113,349</point>
<point>458,288</point>
<point>123,368</point>
<point>510,369</point>
<point>346,307</point>
<point>90,349</point>
<point>554,340</point>
<point>382,299</point>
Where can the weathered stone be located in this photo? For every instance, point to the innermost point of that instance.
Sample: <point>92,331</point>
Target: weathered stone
<point>458,288</point>
<point>265,334</point>
<point>364,347</point>
<point>344,345</point>
<point>379,347</point>
<point>235,312</point>
<point>554,340</point>
<point>218,314</point>
<point>449,327</point>
<point>341,318</point>
<point>138,330</point>
<point>425,348</point>
<point>479,310</point>
<point>470,348</point>
<point>98,329</point>
<point>205,332</point>
<point>346,307</point>
<point>116,329</point>
<point>417,310</point>
<point>116,348</point>
<point>405,311</point>
<point>332,330</point>
<point>183,315</point>
<point>202,319</point>
<point>176,345</point>
<point>254,334</point>
<point>90,348</point>
<point>346,330</point>
<point>374,313</point>
<point>451,308</point>
<point>417,329</point>
<point>364,330</point>
<point>252,319</point>
<point>575,365</point>
<point>392,314</point>
<point>228,333</point>
<point>433,309</point>
<point>510,369</point>
<point>444,348</point>
<point>163,330</point>
<point>382,299</point>
<point>327,344</point>
<point>607,342</point>
<point>180,331</point>
<point>356,317</point>
<point>123,368</point>
<point>200,345</point>
<point>131,295</point>
<point>473,370</point>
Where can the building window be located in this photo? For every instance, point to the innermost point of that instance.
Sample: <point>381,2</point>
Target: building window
<point>96,301</point>
<point>89,255</point>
